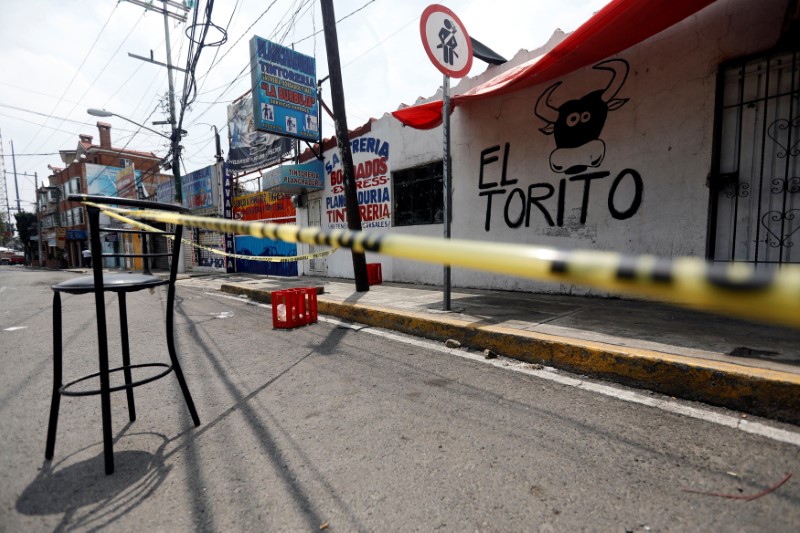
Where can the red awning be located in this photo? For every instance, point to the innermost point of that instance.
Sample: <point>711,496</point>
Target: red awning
<point>618,26</point>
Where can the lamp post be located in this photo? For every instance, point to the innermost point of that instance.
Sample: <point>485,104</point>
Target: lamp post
<point>105,114</point>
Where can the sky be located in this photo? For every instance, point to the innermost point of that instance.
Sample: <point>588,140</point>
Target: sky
<point>59,58</point>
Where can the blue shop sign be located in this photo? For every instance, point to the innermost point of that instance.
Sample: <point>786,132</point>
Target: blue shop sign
<point>294,179</point>
<point>76,234</point>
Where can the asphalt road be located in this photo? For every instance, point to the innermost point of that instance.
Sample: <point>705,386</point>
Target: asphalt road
<point>343,428</point>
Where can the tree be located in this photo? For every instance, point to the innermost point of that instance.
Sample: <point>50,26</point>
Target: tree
<point>6,231</point>
<point>26,226</point>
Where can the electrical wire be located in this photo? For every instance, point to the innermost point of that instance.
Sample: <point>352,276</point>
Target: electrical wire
<point>74,76</point>
<point>102,71</point>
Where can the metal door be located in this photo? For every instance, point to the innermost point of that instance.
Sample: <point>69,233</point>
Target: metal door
<point>755,184</point>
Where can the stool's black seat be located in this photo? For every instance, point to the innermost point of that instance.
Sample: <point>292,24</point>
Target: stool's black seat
<point>98,284</point>
<point>111,282</point>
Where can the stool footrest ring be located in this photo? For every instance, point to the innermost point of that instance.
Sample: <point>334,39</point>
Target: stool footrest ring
<point>65,392</point>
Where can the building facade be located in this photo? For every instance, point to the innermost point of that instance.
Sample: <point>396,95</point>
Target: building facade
<point>685,144</point>
<point>92,169</point>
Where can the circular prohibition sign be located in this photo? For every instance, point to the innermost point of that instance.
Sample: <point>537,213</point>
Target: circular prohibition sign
<point>446,41</point>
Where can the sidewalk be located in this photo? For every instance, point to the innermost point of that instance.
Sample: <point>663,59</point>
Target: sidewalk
<point>740,365</point>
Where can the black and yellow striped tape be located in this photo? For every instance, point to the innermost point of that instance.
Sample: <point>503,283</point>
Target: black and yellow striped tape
<point>262,258</point>
<point>733,288</point>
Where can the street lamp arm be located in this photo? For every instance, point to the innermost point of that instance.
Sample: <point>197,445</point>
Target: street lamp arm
<point>103,113</point>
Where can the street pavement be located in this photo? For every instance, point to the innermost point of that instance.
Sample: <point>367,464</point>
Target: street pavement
<point>722,361</point>
<point>348,427</point>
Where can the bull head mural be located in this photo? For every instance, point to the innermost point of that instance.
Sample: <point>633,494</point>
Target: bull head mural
<point>576,124</point>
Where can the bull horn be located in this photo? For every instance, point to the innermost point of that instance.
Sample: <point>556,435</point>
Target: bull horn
<point>543,108</point>
<point>619,69</point>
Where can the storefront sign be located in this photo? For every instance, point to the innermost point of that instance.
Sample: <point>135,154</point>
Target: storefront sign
<point>371,166</point>
<point>284,90</point>
<point>294,179</point>
<point>270,206</point>
<point>227,213</point>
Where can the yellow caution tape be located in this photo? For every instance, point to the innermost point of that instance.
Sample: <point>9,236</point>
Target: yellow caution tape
<point>731,288</point>
<point>262,258</point>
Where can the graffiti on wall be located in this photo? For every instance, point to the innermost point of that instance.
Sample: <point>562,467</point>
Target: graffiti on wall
<point>371,167</point>
<point>576,126</point>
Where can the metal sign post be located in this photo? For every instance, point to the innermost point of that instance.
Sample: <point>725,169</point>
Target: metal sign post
<point>446,179</point>
<point>449,48</point>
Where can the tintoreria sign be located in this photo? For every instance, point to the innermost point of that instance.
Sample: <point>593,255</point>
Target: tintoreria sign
<point>284,90</point>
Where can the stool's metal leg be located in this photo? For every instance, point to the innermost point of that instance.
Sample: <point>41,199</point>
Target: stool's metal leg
<point>126,353</point>
<point>102,337</point>
<point>55,402</point>
<point>176,366</point>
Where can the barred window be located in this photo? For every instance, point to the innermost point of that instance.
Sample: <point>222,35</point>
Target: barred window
<point>418,195</point>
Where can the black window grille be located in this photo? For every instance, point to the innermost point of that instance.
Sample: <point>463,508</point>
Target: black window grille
<point>418,195</point>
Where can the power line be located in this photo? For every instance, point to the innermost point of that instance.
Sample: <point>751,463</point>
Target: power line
<point>102,70</point>
<point>252,67</point>
<point>337,22</point>
<point>242,72</point>
<point>24,155</point>
<point>74,76</point>
<point>216,52</point>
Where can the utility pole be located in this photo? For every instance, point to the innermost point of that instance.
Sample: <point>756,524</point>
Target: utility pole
<point>38,218</point>
<point>343,139</point>
<point>175,138</point>
<point>4,188</point>
<point>16,185</point>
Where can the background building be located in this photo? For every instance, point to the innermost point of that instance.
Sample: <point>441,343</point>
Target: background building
<point>92,169</point>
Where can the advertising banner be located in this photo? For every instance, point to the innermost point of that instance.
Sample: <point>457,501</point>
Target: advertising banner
<point>165,192</point>
<point>126,183</point>
<point>102,179</point>
<point>61,237</point>
<point>250,149</point>
<point>284,90</point>
<point>294,179</point>
<point>199,190</point>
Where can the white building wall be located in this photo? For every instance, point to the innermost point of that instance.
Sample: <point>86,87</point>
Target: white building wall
<point>661,135</point>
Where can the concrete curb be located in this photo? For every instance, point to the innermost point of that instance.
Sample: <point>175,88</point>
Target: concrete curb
<point>769,393</point>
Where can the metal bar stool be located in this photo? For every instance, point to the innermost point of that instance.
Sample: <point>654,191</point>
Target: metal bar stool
<point>99,283</point>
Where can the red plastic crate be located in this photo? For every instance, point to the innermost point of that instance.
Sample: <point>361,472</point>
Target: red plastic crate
<point>294,307</point>
<point>374,275</point>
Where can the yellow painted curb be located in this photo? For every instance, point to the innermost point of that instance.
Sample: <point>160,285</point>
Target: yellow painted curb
<point>769,393</point>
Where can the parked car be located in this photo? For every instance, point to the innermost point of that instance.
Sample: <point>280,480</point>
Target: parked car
<point>12,257</point>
